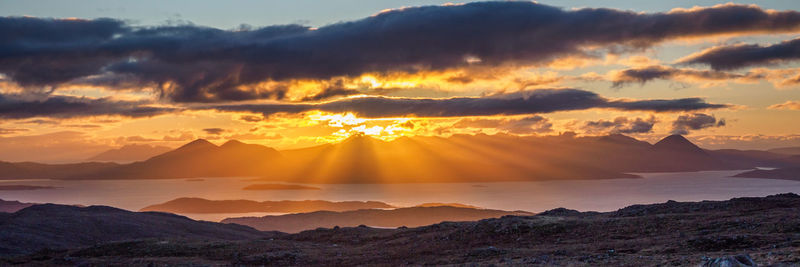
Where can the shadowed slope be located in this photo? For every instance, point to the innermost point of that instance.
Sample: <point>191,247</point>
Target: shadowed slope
<point>60,226</point>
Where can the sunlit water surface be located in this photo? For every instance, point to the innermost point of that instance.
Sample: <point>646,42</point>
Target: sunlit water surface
<point>584,195</point>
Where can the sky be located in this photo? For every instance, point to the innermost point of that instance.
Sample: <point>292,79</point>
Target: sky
<point>81,77</point>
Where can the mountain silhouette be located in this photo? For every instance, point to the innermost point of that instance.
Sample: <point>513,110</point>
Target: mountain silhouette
<point>129,153</point>
<point>677,144</point>
<point>200,158</point>
<point>458,158</point>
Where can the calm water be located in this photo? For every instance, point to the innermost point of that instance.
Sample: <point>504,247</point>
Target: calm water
<point>584,195</point>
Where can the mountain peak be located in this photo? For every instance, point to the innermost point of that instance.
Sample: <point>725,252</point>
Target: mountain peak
<point>199,143</point>
<point>677,142</point>
<point>232,142</point>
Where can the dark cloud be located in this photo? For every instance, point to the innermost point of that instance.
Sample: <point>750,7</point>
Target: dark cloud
<point>330,92</point>
<point>523,102</point>
<point>214,131</point>
<point>621,125</point>
<point>684,123</point>
<point>198,64</point>
<point>650,73</point>
<point>20,107</point>
<point>526,125</point>
<point>251,118</point>
<point>746,55</point>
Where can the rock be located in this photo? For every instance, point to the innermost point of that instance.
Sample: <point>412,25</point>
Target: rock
<point>743,260</point>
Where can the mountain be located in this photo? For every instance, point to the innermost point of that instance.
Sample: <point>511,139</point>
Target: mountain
<point>129,153</point>
<point>676,153</point>
<point>409,217</point>
<point>59,226</point>
<point>420,159</point>
<point>200,158</point>
<point>786,150</point>
<point>362,159</point>
<point>13,206</point>
<point>199,205</point>
<point>32,170</point>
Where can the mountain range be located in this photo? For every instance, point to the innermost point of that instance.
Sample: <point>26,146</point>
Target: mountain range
<point>129,153</point>
<point>459,158</point>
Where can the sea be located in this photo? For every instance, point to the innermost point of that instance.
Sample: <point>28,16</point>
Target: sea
<point>582,195</point>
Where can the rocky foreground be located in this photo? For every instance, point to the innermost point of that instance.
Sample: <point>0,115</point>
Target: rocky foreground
<point>765,230</point>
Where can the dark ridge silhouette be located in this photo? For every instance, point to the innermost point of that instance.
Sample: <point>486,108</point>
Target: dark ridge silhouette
<point>459,158</point>
<point>200,205</point>
<point>129,153</point>
<point>199,158</point>
<point>677,143</point>
<point>60,227</point>
<point>13,206</point>
<point>677,233</point>
<point>786,150</point>
<point>409,217</point>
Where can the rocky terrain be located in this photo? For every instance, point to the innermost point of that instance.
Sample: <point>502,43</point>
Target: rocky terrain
<point>60,227</point>
<point>765,230</point>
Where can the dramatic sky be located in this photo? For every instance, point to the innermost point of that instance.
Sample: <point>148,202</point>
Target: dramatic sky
<point>79,77</point>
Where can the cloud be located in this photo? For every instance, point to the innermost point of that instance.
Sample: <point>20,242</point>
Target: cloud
<point>188,63</point>
<point>745,55</point>
<point>4,131</point>
<point>251,118</point>
<point>252,136</point>
<point>755,141</point>
<point>330,92</point>
<point>621,125</point>
<point>526,125</point>
<point>516,103</point>
<point>779,78</point>
<point>20,107</point>
<point>790,105</point>
<point>684,123</point>
<point>650,73</point>
<point>214,131</point>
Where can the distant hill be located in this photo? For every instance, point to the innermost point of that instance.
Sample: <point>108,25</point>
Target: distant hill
<point>786,150</point>
<point>129,153</point>
<point>409,217</point>
<point>13,206</point>
<point>59,226</point>
<point>200,205</point>
<point>782,173</point>
<point>459,158</point>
